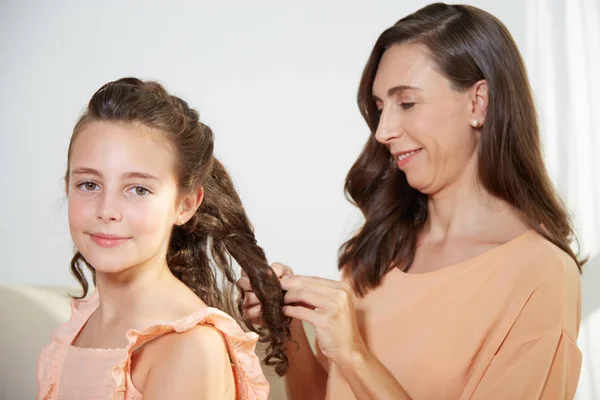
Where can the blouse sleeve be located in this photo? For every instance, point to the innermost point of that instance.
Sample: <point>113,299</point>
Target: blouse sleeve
<point>539,357</point>
<point>544,368</point>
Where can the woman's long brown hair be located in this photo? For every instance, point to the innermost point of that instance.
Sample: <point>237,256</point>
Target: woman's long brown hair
<point>467,45</point>
<point>200,252</point>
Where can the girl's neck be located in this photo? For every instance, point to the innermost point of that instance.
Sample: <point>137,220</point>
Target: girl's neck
<point>132,291</point>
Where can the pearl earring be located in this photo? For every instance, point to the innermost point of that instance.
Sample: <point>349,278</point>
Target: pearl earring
<point>475,123</point>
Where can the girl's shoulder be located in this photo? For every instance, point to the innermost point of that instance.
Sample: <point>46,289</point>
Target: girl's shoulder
<point>204,335</point>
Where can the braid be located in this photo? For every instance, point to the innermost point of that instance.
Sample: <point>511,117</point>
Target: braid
<point>221,228</point>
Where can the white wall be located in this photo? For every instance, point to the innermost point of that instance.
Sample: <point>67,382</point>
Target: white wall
<point>275,80</point>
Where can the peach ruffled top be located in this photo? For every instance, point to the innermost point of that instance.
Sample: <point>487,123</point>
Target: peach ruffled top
<point>68,372</point>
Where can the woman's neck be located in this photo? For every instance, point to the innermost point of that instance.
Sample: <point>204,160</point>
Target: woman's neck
<point>466,209</point>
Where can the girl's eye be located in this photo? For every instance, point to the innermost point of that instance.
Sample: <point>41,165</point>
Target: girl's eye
<point>407,106</point>
<point>139,191</point>
<point>88,186</point>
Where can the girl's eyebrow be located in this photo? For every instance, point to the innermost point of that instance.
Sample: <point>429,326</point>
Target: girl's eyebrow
<point>141,175</point>
<point>86,171</point>
<point>127,175</point>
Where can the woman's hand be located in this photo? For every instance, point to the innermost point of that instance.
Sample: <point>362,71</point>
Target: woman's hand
<point>251,305</point>
<point>327,305</point>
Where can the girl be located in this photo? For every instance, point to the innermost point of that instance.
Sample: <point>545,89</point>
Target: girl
<point>156,219</point>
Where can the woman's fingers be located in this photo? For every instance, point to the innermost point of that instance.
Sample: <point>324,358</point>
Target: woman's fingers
<point>244,283</point>
<point>336,292</point>
<point>312,281</point>
<point>251,305</point>
<point>281,270</point>
<point>254,313</point>
<point>306,297</point>
<point>250,300</point>
<point>302,313</point>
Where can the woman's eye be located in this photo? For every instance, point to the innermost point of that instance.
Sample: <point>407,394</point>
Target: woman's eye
<point>407,106</point>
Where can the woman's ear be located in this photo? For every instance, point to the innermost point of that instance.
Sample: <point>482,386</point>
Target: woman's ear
<point>478,103</point>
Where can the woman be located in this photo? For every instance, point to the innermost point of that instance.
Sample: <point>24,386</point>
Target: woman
<point>461,283</point>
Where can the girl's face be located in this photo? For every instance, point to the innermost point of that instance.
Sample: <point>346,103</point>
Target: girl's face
<point>122,196</point>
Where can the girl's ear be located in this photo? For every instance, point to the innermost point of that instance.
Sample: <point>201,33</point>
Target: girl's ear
<point>188,205</point>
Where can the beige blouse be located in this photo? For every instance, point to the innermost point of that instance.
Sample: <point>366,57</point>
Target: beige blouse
<point>502,325</point>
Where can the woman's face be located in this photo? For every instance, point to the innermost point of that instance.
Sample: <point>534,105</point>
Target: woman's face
<point>425,123</point>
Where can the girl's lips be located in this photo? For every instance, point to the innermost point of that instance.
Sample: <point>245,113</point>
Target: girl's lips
<point>105,240</point>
